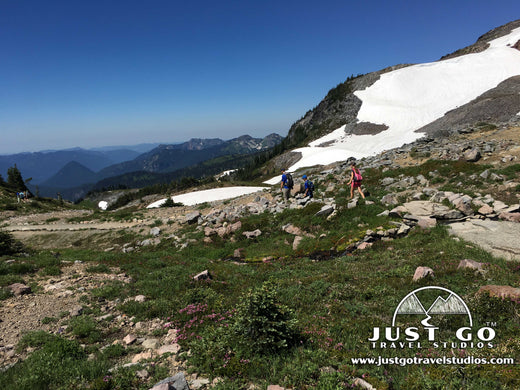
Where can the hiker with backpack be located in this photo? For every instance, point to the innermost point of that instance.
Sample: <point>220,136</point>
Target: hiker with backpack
<point>286,185</point>
<point>355,180</point>
<point>309,187</point>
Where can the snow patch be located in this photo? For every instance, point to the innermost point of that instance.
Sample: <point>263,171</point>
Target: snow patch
<point>103,205</point>
<point>410,98</point>
<point>214,194</point>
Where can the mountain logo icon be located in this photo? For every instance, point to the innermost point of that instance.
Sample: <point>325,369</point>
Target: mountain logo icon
<point>452,305</point>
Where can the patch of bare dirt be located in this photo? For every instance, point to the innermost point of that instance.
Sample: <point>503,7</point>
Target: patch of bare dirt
<point>48,308</point>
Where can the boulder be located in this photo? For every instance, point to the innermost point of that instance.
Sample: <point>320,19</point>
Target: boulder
<point>500,238</point>
<point>204,275</point>
<point>364,245</point>
<point>389,199</point>
<point>155,231</point>
<point>363,384</point>
<point>422,272</point>
<point>472,155</point>
<point>192,217</point>
<point>500,291</point>
<point>176,382</point>
<point>19,289</point>
<point>253,234</point>
<point>140,298</point>
<point>129,339</point>
<point>142,356</point>
<point>150,344</point>
<point>486,210</point>
<point>296,242</point>
<point>426,222</point>
<point>76,311</point>
<point>512,217</point>
<point>325,210</point>
<point>169,348</point>
<point>470,264</point>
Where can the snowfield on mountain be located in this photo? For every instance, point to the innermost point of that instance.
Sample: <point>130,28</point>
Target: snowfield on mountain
<point>409,98</point>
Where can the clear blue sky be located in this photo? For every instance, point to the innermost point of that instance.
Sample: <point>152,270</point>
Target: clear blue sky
<point>119,72</point>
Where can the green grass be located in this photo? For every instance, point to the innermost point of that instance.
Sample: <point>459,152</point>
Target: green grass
<point>292,320</point>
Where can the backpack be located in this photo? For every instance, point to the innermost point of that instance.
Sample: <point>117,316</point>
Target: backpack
<point>357,175</point>
<point>311,185</point>
<point>290,181</point>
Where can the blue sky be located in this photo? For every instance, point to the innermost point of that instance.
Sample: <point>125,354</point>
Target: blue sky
<point>95,73</point>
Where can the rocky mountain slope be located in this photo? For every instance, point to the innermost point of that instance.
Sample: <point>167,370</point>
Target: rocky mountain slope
<point>340,110</point>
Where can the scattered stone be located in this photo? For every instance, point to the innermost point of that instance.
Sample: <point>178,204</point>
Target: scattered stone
<point>142,374</point>
<point>422,272</point>
<point>470,264</point>
<point>192,217</point>
<point>486,210</point>
<point>364,245</point>
<point>363,384</point>
<point>142,356</point>
<point>204,275</point>
<point>389,200</point>
<point>253,234</point>
<point>426,222</point>
<point>325,210</point>
<point>19,289</point>
<point>500,291</point>
<point>291,229</point>
<point>199,382</point>
<point>130,339</point>
<point>176,382</point>
<point>76,311</point>
<point>239,253</point>
<point>140,298</point>
<point>155,231</point>
<point>150,344</point>
<point>169,348</point>
<point>275,387</point>
<point>512,217</point>
<point>296,242</point>
<point>472,155</point>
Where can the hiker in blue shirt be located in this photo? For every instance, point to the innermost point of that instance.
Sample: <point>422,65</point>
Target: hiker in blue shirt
<point>309,187</point>
<point>284,185</point>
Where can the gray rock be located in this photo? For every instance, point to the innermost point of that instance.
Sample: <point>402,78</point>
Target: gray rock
<point>325,210</point>
<point>192,217</point>
<point>470,264</point>
<point>253,234</point>
<point>19,289</point>
<point>176,382</point>
<point>422,272</point>
<point>150,344</point>
<point>204,275</point>
<point>155,231</point>
<point>389,199</point>
<point>387,181</point>
<point>76,311</point>
<point>500,238</point>
<point>296,242</point>
<point>472,155</point>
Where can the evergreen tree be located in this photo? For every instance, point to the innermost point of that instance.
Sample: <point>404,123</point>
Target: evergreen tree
<point>2,182</point>
<point>15,180</point>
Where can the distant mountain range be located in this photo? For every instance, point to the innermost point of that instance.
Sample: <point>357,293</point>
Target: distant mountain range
<point>40,166</point>
<point>74,172</point>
